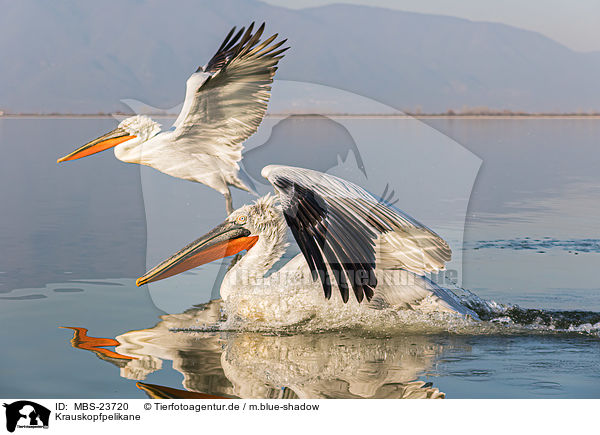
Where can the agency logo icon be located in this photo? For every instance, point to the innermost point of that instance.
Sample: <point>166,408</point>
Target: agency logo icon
<point>26,414</point>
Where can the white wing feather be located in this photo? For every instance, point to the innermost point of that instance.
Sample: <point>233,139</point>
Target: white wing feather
<point>401,242</point>
<point>227,99</point>
<point>343,229</point>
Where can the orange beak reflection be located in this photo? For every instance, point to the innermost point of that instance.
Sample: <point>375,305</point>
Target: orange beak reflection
<point>97,345</point>
<point>105,142</point>
<point>225,240</point>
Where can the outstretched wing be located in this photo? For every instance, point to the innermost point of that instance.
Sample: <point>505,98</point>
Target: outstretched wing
<point>338,224</point>
<point>226,99</point>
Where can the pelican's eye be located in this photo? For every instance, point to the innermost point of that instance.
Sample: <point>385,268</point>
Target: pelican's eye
<point>241,219</point>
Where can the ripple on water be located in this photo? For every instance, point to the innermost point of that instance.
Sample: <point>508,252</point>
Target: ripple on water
<point>546,385</point>
<point>573,246</point>
<point>23,298</point>
<point>68,290</point>
<point>473,374</point>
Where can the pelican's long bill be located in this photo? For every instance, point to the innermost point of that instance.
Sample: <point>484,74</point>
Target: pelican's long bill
<point>227,239</point>
<point>109,140</point>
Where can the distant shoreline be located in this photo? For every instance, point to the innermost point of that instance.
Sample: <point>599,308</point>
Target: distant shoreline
<point>332,115</point>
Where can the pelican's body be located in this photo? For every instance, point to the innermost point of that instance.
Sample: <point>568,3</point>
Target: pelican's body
<point>224,104</point>
<point>216,170</point>
<point>349,241</point>
<point>254,294</point>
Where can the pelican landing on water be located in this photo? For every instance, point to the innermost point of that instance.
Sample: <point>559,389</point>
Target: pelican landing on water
<point>225,102</point>
<point>370,248</point>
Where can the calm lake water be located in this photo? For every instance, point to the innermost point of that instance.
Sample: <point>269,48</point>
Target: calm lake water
<point>75,236</point>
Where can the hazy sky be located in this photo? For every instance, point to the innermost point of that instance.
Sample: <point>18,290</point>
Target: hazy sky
<point>575,23</point>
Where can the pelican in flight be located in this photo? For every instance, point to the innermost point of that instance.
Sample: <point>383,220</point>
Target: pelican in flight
<point>350,241</point>
<point>225,102</point>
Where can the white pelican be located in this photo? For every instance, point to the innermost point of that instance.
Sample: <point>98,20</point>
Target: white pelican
<point>342,230</point>
<point>225,102</point>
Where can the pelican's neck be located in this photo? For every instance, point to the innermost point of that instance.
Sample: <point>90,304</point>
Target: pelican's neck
<point>136,150</point>
<point>253,266</point>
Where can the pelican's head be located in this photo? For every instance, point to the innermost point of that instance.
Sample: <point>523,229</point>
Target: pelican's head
<point>130,133</point>
<point>262,220</point>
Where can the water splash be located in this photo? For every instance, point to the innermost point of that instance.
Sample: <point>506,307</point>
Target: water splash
<point>494,319</point>
<point>515,317</point>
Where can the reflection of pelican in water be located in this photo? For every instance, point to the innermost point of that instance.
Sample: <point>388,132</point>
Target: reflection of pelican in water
<point>251,365</point>
<point>225,102</point>
<point>161,392</point>
<point>97,345</point>
<point>369,247</point>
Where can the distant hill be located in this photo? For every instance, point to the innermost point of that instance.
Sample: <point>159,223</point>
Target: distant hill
<point>82,57</point>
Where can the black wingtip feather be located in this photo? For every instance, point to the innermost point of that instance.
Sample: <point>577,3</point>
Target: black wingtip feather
<point>244,43</point>
<point>321,235</point>
<point>231,32</point>
<point>327,230</point>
